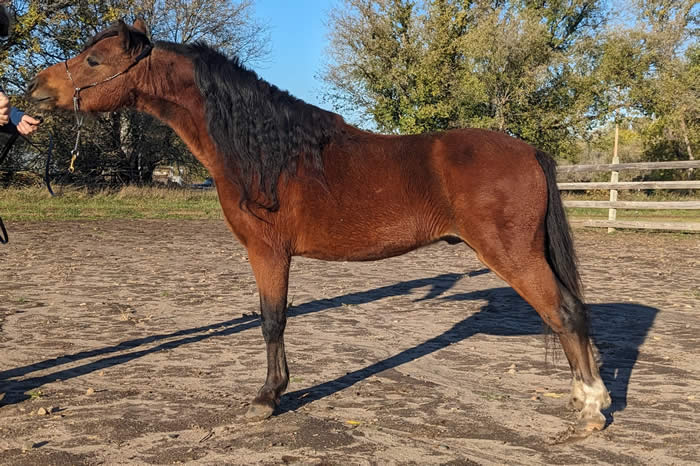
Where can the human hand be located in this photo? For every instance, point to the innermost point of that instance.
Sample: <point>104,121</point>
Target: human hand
<point>4,109</point>
<point>28,125</point>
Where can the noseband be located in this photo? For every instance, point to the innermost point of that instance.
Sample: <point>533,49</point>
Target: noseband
<point>79,118</point>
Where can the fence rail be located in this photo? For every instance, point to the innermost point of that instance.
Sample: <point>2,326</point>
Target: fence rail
<point>673,226</point>
<point>606,167</point>
<point>613,204</point>
<point>661,205</point>
<point>630,185</point>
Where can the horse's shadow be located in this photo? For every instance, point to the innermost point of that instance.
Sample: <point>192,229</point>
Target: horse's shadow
<point>620,330</point>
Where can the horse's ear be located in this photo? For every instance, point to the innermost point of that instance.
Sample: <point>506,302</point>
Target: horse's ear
<point>140,25</point>
<point>124,34</point>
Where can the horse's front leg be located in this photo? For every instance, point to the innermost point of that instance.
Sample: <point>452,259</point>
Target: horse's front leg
<point>271,271</point>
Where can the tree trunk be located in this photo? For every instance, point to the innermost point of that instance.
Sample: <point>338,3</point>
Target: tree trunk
<point>128,146</point>
<point>687,142</point>
<point>685,138</point>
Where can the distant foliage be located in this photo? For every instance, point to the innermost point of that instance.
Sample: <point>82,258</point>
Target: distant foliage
<point>551,73</point>
<point>122,147</point>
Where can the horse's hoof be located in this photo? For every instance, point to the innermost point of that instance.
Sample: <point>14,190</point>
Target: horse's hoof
<point>259,411</point>
<point>591,423</point>
<point>570,435</point>
<point>573,434</point>
<point>583,428</point>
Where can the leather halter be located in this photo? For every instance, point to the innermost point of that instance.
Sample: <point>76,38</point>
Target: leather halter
<point>79,118</point>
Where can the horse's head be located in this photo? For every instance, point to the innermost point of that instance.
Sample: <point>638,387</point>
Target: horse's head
<point>99,76</point>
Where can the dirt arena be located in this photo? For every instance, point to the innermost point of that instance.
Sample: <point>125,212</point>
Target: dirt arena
<point>132,342</point>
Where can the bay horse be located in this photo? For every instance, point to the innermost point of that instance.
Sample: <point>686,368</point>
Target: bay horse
<point>296,180</point>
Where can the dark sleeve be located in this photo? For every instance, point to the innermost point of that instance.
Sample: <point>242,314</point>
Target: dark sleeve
<point>8,128</point>
<point>16,115</point>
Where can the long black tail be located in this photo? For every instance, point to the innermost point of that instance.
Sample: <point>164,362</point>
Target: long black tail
<point>560,251</point>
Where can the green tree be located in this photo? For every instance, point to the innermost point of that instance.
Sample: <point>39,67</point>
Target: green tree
<point>375,55</point>
<point>668,93</point>
<point>124,146</point>
<point>522,67</point>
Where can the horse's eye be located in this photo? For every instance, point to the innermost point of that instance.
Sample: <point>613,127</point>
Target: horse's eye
<point>92,61</point>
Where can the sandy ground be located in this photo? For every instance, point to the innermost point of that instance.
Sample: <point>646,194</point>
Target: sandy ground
<point>131,342</point>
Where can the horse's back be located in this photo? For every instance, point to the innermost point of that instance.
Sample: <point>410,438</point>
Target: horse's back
<point>486,165</point>
<point>386,195</point>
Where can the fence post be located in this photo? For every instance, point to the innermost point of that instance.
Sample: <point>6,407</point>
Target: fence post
<point>614,178</point>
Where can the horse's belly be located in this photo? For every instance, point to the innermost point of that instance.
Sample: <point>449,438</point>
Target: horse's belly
<point>364,243</point>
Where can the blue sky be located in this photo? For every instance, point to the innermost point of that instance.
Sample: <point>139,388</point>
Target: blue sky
<point>297,42</point>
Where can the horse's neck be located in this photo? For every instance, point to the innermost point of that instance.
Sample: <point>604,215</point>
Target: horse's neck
<point>167,90</point>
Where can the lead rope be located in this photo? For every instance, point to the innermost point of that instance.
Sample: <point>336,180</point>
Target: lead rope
<point>6,150</point>
<point>79,118</point>
<point>4,237</point>
<point>3,233</point>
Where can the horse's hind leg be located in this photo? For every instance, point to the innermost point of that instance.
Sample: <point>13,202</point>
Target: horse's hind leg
<point>272,276</point>
<point>526,269</point>
<point>588,393</point>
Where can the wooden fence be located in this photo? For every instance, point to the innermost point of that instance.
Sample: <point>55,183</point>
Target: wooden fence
<point>613,204</point>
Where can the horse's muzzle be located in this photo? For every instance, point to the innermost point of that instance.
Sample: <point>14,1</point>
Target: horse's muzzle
<point>40,94</point>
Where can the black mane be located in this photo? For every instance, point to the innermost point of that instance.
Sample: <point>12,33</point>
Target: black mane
<point>261,130</point>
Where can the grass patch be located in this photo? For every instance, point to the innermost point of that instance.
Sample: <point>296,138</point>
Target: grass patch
<point>630,214</point>
<point>671,215</point>
<point>35,204</point>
